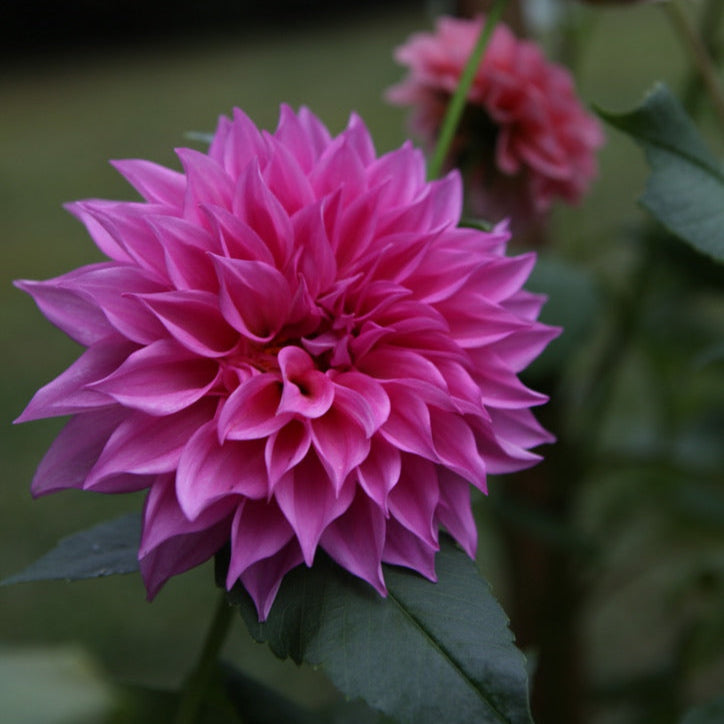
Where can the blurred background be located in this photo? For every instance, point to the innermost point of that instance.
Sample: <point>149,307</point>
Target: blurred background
<point>84,82</point>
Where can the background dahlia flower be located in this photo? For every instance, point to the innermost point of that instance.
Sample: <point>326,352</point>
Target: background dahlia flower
<point>292,347</point>
<point>524,138</point>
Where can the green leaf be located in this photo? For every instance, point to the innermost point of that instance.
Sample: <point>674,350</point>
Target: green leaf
<point>409,655</point>
<point>710,713</point>
<point>104,550</point>
<point>685,191</point>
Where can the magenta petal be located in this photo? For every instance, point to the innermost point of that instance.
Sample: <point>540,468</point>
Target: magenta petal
<point>155,183</point>
<point>341,444</point>
<point>207,183</point>
<point>68,310</point>
<point>256,205</point>
<point>412,502</point>
<point>254,298</point>
<point>194,320</point>
<point>68,393</point>
<point>307,391</point>
<point>84,211</point>
<point>454,511</point>
<point>404,548</point>
<point>356,540</point>
<point>259,530</point>
<point>208,471</point>
<point>171,544</point>
<point>408,426</point>
<point>379,472</point>
<point>308,501</point>
<point>363,399</point>
<point>160,379</point>
<point>456,447</point>
<point>75,451</point>
<point>262,579</point>
<point>285,448</point>
<point>142,444</point>
<point>251,410</point>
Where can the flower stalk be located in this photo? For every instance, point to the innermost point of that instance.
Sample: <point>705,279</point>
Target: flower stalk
<point>457,103</point>
<point>197,684</point>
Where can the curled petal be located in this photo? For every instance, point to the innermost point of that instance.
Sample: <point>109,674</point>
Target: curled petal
<point>250,411</point>
<point>307,391</point>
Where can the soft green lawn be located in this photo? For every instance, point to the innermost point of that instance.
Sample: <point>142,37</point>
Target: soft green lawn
<point>60,121</point>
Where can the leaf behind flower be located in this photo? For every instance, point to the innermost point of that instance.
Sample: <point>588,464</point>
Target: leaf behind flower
<point>106,549</point>
<point>685,191</point>
<point>425,654</point>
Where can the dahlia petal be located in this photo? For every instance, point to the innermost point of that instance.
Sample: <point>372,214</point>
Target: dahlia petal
<point>284,175</point>
<point>112,288</point>
<point>239,146</point>
<point>341,444</point>
<point>194,320</point>
<point>157,184</point>
<point>339,168</point>
<point>454,511</point>
<point>75,451</point>
<point>520,427</point>
<point>185,248</point>
<point>408,426</point>
<point>106,242</point>
<point>293,135</point>
<point>170,543</point>
<point>70,311</point>
<point>310,503</point>
<point>262,579</point>
<point>254,297</point>
<point>285,448</point>
<point>259,530</point>
<point>316,132</point>
<point>132,233</point>
<point>307,391</point>
<point>250,411</point>
<point>315,259</point>
<point>412,502</point>
<point>209,471</point>
<point>363,399</point>
<point>207,183</point>
<point>359,140</point>
<point>519,350</point>
<point>160,379</point>
<point>400,175</point>
<point>69,393</point>
<point>356,540</point>
<point>379,472</point>
<point>256,205</point>
<point>456,447</point>
<point>142,446</point>
<point>236,238</point>
<point>500,387</point>
<point>404,548</point>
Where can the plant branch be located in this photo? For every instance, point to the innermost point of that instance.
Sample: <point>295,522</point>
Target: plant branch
<point>457,102</point>
<point>198,681</point>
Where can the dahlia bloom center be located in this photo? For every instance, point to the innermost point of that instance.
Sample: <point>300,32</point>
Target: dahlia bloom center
<point>292,347</point>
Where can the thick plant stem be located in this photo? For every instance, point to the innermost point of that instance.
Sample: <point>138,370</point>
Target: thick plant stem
<point>197,683</point>
<point>457,102</point>
<point>700,57</point>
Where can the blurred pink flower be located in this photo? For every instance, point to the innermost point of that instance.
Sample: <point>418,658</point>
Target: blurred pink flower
<point>292,347</point>
<point>524,139</point>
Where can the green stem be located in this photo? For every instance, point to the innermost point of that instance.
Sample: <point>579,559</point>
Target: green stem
<point>699,55</point>
<point>457,102</point>
<point>197,683</point>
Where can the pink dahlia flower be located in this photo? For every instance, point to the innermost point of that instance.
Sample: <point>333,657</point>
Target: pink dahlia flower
<point>524,139</point>
<point>292,347</point>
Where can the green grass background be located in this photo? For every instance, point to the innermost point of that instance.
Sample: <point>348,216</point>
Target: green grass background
<point>61,118</point>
